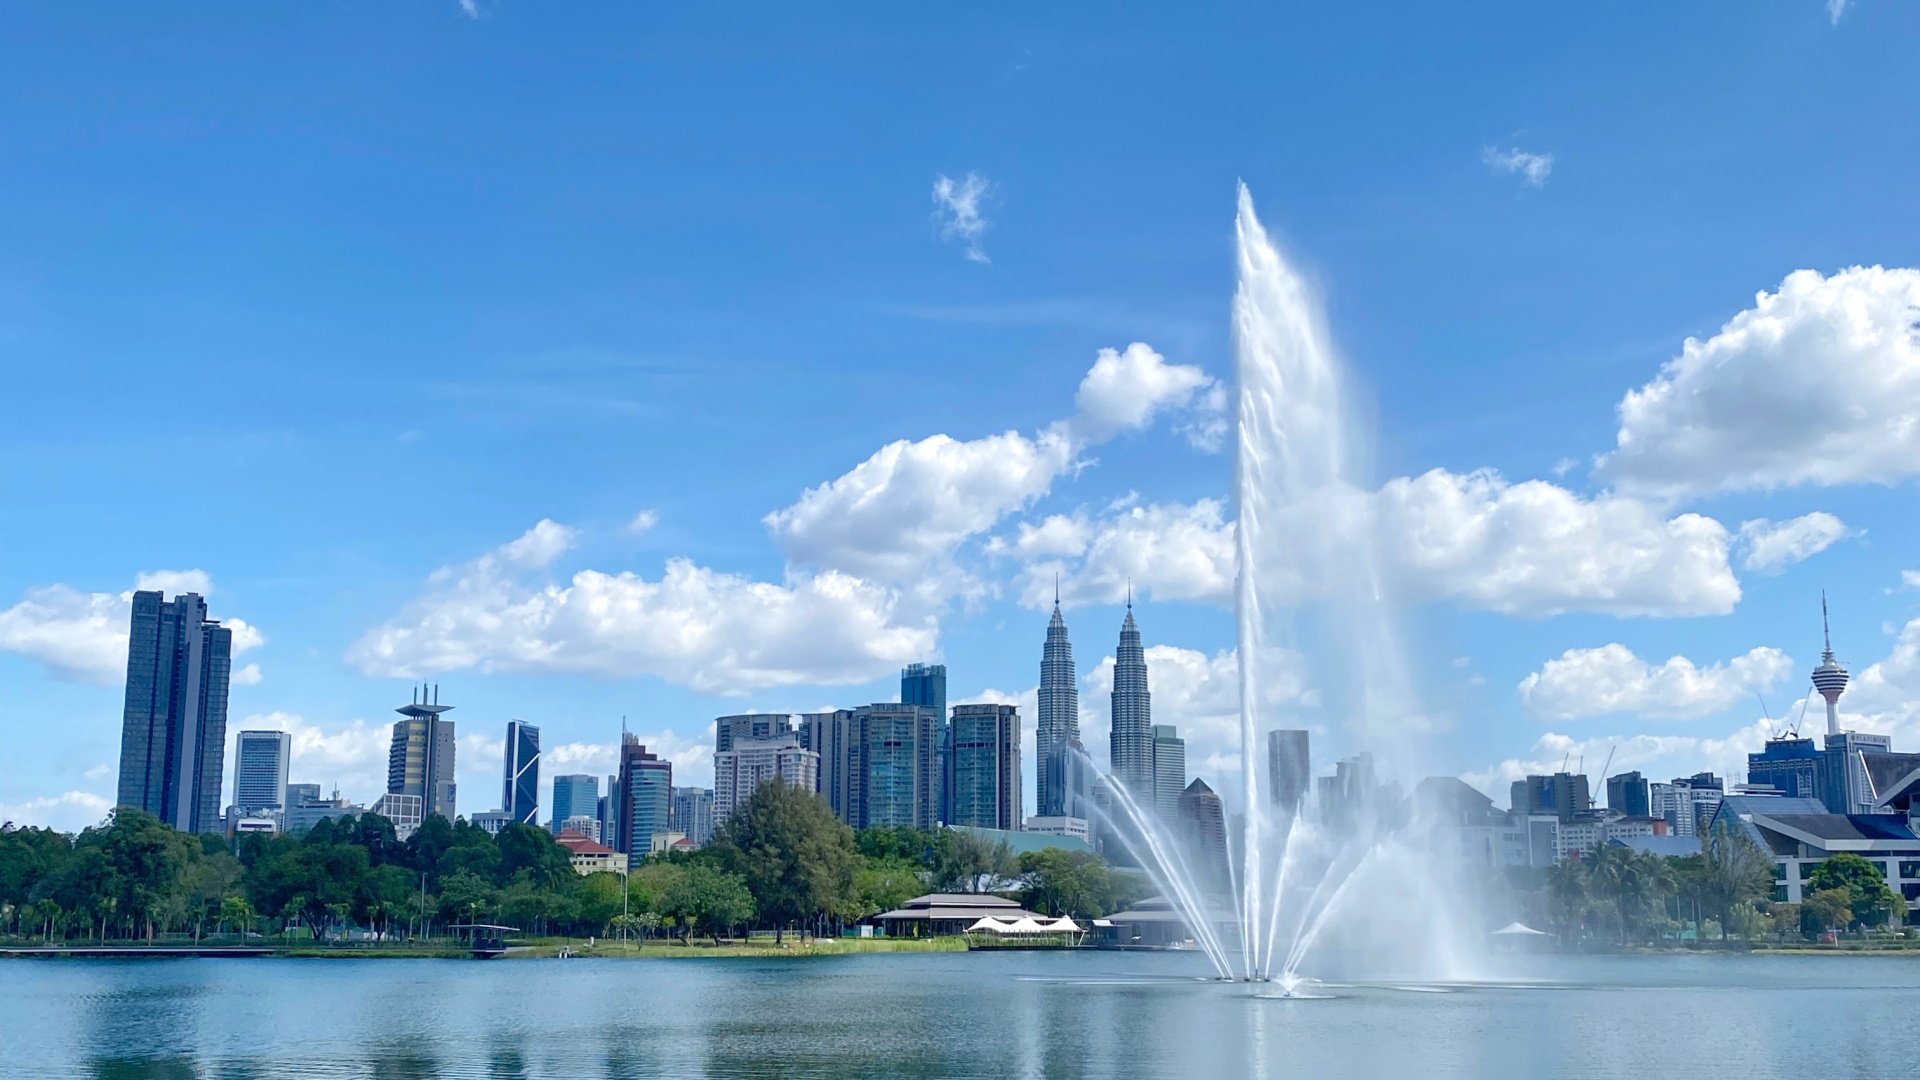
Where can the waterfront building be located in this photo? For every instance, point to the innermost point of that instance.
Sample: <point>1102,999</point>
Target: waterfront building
<point>491,820</point>
<point>1204,825</point>
<point>589,856</point>
<point>1289,769</point>
<point>260,760</point>
<point>1169,770</point>
<point>1627,794</point>
<point>728,729</point>
<point>173,731</point>
<point>1468,827</point>
<point>937,914</point>
<point>1801,833</point>
<point>984,768</point>
<point>1131,747</point>
<point>575,795</point>
<point>1057,713</point>
<point>752,762</point>
<point>404,811</point>
<point>421,758</point>
<point>520,792</point>
<point>646,797</point>
<point>1788,764</point>
<point>693,812</point>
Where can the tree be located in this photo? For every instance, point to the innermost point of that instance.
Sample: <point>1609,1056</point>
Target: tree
<point>1732,870</point>
<point>526,849</point>
<point>466,896</point>
<point>709,899</point>
<point>796,857</point>
<point>1826,909</point>
<point>1568,889</point>
<point>1072,884</point>
<point>881,885</point>
<point>968,863</point>
<point>150,860</point>
<point>1869,900</point>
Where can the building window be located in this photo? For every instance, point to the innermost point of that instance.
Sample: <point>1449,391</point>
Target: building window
<point>1779,894</point>
<point>1779,871</point>
<point>1910,868</point>
<point>1806,870</point>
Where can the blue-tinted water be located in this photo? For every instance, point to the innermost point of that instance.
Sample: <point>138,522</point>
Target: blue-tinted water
<point>948,1015</point>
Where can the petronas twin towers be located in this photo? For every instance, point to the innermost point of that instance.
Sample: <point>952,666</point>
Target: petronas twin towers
<point>1057,734</point>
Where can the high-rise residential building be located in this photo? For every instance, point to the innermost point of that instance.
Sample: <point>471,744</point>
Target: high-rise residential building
<point>421,759</point>
<point>173,733</point>
<point>1169,770</point>
<point>985,767</point>
<point>260,760</point>
<point>646,797</point>
<point>738,771</point>
<point>898,765</point>
<point>1131,743</point>
<point>520,792</point>
<point>926,685</point>
<point>835,736</point>
<point>1788,764</point>
<point>1057,715</point>
<point>1289,769</point>
<point>1203,823</point>
<point>726,729</point>
<point>575,795</point>
<point>1627,794</point>
<point>693,814</point>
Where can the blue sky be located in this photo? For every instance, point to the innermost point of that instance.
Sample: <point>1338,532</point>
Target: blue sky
<point>324,300</point>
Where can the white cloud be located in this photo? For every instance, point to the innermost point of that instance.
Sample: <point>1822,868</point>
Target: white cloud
<point>470,8</point>
<point>1885,697</point>
<point>643,522</point>
<point>1200,695</point>
<point>717,633</point>
<point>1818,383</point>
<point>1910,578</point>
<point>1125,390</point>
<point>84,635</point>
<point>539,546</point>
<point>1773,546</point>
<point>1837,8</point>
<point>247,676</point>
<point>1658,757</point>
<point>1531,548</point>
<point>1611,679</point>
<point>351,757</point>
<point>173,582</point>
<point>69,812</point>
<point>1531,168</point>
<point>957,211</point>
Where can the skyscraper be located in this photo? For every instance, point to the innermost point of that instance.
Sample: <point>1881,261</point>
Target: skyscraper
<point>173,733</point>
<point>985,771</point>
<point>898,765</point>
<point>738,771</point>
<point>421,759</point>
<point>1289,769</point>
<point>575,795</point>
<point>693,814</point>
<point>520,793</point>
<point>835,736</point>
<point>646,798</point>
<point>260,771</point>
<point>1131,743</point>
<point>1203,823</point>
<point>1627,794</point>
<point>762,725</point>
<point>1057,723</point>
<point>1169,770</point>
<point>926,685</point>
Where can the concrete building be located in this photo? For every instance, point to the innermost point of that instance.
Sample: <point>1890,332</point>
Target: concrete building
<point>301,794</point>
<point>752,762</point>
<point>645,797</point>
<point>173,731</point>
<point>1627,794</point>
<point>1076,827</point>
<point>1203,827</point>
<point>1562,795</point>
<point>1801,833</point>
<point>984,770</point>
<point>260,760</point>
<point>899,765</point>
<point>835,736</point>
<point>311,812</point>
<point>580,825</point>
<point>693,813</point>
<point>1787,764</point>
<point>1057,716</point>
<point>575,795</point>
<point>1169,771</point>
<point>728,729</point>
<point>1289,769</point>
<point>405,811</point>
<point>520,790</point>
<point>421,758</point>
<point>1131,741</point>
<point>491,820</point>
<point>1686,803</point>
<point>588,856</point>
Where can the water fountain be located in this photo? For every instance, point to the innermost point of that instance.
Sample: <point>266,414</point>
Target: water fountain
<point>1303,533</point>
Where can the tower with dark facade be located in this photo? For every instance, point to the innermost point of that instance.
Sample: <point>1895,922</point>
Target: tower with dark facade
<point>1131,744</point>
<point>1057,723</point>
<point>173,731</point>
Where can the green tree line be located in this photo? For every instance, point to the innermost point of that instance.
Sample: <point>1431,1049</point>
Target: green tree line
<point>782,862</point>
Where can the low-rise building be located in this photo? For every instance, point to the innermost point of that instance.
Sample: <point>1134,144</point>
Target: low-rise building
<point>1077,827</point>
<point>591,857</point>
<point>403,810</point>
<point>1801,834</point>
<point>491,820</point>
<point>939,914</point>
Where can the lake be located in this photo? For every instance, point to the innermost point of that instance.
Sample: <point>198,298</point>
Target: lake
<point>1031,1014</point>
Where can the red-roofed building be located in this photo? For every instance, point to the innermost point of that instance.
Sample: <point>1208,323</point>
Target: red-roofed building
<point>589,857</point>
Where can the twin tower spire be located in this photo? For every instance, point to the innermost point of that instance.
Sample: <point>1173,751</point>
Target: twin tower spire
<point>1057,727</point>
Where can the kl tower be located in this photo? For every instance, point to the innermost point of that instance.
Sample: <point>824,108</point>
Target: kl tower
<point>1830,678</point>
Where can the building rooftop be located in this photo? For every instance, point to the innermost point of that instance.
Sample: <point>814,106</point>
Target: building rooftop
<point>1023,842</point>
<point>1671,846</point>
<point>1840,826</point>
<point>580,845</point>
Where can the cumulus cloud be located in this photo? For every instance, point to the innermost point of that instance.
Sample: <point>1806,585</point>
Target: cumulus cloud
<point>1910,578</point>
<point>957,211</point>
<point>247,676</point>
<point>714,632</point>
<point>1611,679</point>
<point>1773,546</point>
<point>643,522</point>
<point>1125,390</point>
<point>1885,697</point>
<point>68,812</point>
<point>1817,383</point>
<point>1837,8</point>
<point>1531,548</point>
<point>351,756</point>
<point>83,636</point>
<point>1532,168</point>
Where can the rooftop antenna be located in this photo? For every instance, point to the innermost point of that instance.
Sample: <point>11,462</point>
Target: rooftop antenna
<point>1056,589</point>
<point>436,693</point>
<point>1129,592</point>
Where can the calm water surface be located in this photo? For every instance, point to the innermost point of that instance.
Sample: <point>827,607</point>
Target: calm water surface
<point>948,1015</point>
